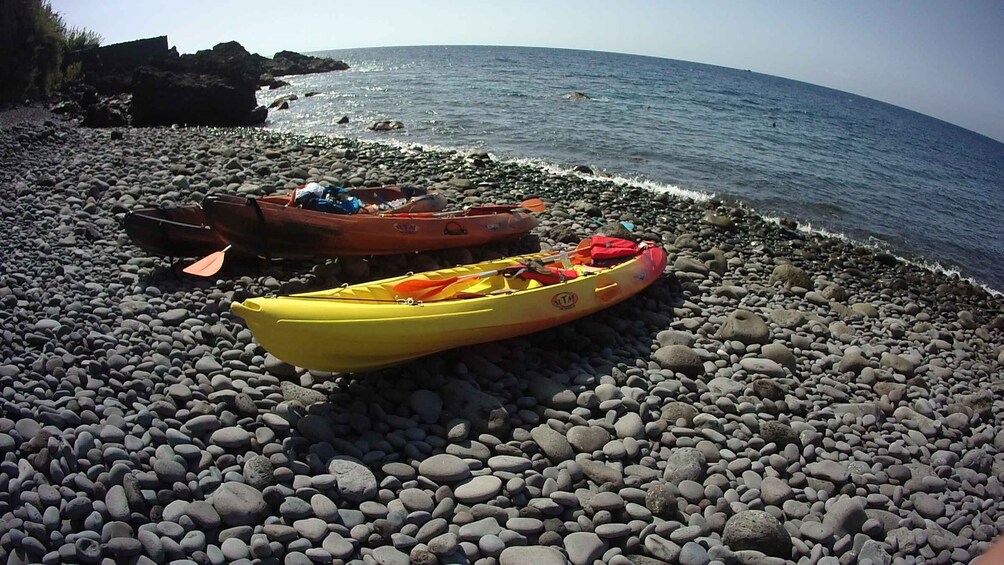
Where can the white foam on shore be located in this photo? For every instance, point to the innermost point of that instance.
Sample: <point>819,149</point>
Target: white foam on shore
<point>634,182</point>
<point>681,193</point>
<point>549,167</point>
<point>953,273</point>
<point>414,147</point>
<point>879,245</point>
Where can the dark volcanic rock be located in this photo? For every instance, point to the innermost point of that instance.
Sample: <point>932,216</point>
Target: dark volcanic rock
<point>386,125</point>
<point>290,63</point>
<point>211,87</point>
<point>756,530</point>
<point>228,59</point>
<point>165,98</point>
<point>233,60</point>
<point>109,68</point>
<point>107,112</point>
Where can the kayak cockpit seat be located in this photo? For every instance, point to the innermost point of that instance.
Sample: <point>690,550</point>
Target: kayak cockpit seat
<point>541,273</point>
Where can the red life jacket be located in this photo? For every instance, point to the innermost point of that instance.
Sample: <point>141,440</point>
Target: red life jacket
<point>605,248</point>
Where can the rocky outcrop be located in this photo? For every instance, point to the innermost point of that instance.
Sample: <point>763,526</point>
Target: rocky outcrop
<point>165,98</point>
<point>228,59</point>
<point>231,59</point>
<point>291,63</point>
<point>109,68</point>
<point>107,112</point>
<point>386,125</point>
<point>210,87</point>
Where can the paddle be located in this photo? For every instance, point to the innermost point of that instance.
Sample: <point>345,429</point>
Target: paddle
<point>438,285</point>
<point>535,205</point>
<point>208,265</point>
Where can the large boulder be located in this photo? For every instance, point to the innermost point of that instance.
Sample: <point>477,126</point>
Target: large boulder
<point>685,464</point>
<point>758,531</point>
<point>238,504</point>
<point>791,276</point>
<point>210,87</point>
<point>165,98</point>
<point>356,482</point>
<point>746,327</point>
<point>679,359</point>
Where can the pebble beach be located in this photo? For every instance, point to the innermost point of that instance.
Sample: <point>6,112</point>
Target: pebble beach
<point>777,397</point>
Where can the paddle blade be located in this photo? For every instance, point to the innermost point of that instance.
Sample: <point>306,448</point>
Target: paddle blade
<point>208,265</point>
<point>535,205</point>
<point>415,285</point>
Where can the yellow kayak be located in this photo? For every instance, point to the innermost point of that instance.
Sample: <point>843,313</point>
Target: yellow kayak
<point>374,325</point>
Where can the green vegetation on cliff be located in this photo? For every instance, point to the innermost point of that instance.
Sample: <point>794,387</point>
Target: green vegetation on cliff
<point>33,39</point>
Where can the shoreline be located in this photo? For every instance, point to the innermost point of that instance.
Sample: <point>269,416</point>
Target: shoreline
<point>678,192</point>
<point>775,395</point>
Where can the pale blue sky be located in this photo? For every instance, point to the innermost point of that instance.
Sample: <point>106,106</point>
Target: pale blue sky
<point>941,58</point>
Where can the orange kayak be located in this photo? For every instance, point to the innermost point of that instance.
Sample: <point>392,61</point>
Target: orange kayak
<point>183,231</point>
<point>179,231</point>
<point>272,230</point>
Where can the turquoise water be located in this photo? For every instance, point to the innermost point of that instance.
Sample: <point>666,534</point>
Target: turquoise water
<point>849,165</point>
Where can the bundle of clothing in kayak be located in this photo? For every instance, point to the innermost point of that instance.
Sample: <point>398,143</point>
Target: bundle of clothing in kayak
<point>338,200</point>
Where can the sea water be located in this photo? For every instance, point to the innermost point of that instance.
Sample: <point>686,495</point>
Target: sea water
<point>836,162</point>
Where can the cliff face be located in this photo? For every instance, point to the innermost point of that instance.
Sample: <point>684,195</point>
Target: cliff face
<point>109,68</point>
<point>30,50</point>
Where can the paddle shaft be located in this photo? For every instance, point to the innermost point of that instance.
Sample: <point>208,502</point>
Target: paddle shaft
<point>442,284</point>
<point>535,205</point>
